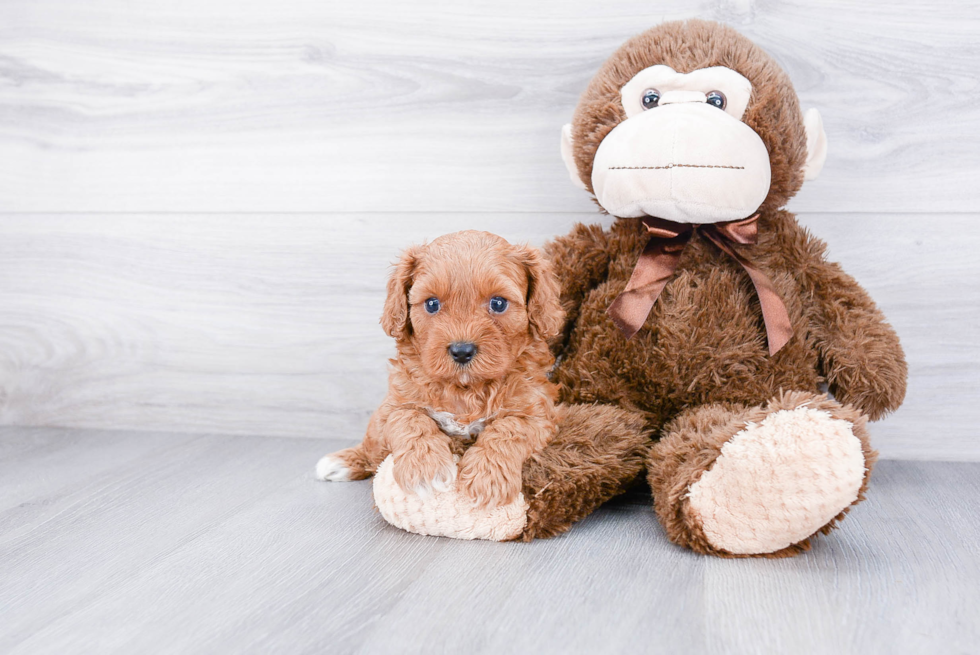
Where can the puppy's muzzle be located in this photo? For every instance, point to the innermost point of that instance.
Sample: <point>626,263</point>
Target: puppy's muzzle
<point>462,352</point>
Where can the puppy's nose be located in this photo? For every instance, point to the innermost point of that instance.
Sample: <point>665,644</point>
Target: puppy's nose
<point>462,351</point>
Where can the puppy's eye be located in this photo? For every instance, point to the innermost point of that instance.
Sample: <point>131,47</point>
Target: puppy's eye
<point>498,305</point>
<point>432,305</point>
<point>717,99</point>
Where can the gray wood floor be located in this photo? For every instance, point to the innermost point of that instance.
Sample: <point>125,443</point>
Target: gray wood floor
<point>137,542</point>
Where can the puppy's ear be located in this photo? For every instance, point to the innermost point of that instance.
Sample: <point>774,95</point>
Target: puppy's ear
<point>544,312</point>
<point>394,319</point>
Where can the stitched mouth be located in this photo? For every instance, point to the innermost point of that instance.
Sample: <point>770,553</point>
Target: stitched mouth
<point>669,166</point>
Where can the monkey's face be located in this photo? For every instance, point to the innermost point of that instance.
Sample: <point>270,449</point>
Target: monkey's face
<point>708,145</point>
<point>683,152</point>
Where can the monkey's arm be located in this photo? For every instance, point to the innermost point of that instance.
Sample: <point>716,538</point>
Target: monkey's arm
<point>581,262</point>
<point>861,356</point>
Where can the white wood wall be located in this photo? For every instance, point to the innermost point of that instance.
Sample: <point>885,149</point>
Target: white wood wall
<point>199,198</point>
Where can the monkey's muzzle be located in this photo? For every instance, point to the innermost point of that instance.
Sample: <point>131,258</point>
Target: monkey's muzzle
<point>685,162</point>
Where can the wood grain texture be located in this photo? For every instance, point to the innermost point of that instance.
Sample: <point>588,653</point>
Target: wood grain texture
<point>268,325</point>
<point>232,324</point>
<point>227,544</point>
<point>923,272</point>
<point>381,105</point>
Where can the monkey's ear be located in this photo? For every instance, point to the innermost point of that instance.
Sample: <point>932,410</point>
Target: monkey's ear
<point>566,155</point>
<point>816,144</point>
<point>394,318</point>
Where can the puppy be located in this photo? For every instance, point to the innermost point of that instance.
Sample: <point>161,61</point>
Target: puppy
<point>471,315</point>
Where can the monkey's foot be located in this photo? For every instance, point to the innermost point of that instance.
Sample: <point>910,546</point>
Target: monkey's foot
<point>598,452</point>
<point>445,512</point>
<point>760,480</point>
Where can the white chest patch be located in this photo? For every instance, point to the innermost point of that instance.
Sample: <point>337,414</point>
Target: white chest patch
<point>447,423</point>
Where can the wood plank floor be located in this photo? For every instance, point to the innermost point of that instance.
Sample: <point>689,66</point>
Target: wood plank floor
<point>152,542</point>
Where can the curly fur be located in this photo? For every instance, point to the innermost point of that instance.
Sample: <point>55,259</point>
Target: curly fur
<point>505,383</point>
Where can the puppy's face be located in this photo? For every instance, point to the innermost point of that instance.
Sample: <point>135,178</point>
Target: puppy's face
<point>472,304</point>
<point>468,313</point>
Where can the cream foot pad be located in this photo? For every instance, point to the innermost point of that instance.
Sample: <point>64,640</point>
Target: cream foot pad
<point>444,513</point>
<point>779,481</point>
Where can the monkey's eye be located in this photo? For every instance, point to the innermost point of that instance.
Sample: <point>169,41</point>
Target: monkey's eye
<point>432,305</point>
<point>498,305</point>
<point>651,98</point>
<point>717,99</point>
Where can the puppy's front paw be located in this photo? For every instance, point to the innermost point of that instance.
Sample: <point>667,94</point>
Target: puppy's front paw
<point>487,481</point>
<point>424,468</point>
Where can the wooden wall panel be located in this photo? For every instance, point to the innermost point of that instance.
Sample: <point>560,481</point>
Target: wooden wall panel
<point>384,105</point>
<point>199,198</point>
<point>268,324</point>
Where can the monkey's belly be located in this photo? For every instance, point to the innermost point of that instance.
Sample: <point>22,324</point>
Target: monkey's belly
<point>704,341</point>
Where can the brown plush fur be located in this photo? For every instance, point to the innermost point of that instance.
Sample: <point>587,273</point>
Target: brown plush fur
<point>705,341</point>
<point>700,366</point>
<point>773,111</point>
<point>692,442</point>
<point>598,451</point>
<point>506,382</point>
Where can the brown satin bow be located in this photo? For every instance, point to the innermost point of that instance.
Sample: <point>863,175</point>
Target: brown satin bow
<point>659,261</point>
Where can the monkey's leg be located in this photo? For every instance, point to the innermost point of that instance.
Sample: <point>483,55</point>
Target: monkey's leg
<point>739,481</point>
<point>598,453</point>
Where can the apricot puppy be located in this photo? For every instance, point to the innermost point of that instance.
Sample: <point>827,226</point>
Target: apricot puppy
<point>472,315</point>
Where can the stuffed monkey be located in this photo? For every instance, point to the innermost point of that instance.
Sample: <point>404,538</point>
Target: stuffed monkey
<point>706,307</point>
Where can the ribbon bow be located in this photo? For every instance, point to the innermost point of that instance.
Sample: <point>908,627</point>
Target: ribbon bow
<point>659,261</point>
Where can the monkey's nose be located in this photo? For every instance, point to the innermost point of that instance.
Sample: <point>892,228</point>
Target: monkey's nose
<point>462,351</point>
